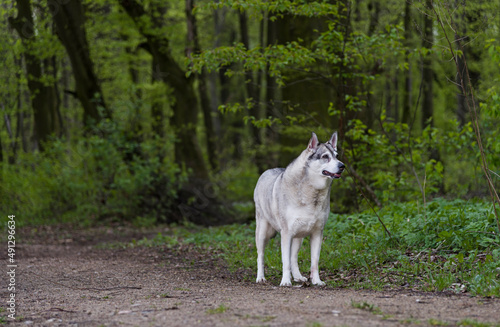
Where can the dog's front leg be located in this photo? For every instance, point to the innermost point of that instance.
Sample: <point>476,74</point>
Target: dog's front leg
<point>286,244</point>
<point>316,239</point>
<point>297,276</point>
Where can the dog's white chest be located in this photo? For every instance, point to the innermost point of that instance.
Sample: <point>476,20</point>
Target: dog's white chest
<point>303,221</point>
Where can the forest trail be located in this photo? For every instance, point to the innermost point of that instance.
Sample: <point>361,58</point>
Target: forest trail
<point>85,278</point>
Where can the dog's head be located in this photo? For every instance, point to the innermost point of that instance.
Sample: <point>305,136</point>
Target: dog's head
<point>322,157</point>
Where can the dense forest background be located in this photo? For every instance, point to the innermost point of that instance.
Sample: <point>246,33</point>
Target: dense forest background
<point>161,111</point>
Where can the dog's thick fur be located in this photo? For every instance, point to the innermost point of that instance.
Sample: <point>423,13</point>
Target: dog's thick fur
<point>295,201</point>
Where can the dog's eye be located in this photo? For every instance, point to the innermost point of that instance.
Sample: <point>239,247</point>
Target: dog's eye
<point>325,156</point>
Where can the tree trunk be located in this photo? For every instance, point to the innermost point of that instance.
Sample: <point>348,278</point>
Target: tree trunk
<point>253,86</point>
<point>70,26</point>
<point>1,154</point>
<point>213,76</point>
<point>427,72</point>
<point>369,114</point>
<point>252,89</point>
<point>406,115</point>
<point>396,97</point>
<point>136,121</point>
<point>428,80</point>
<point>157,110</point>
<point>44,98</point>
<point>12,138</point>
<point>460,32</point>
<point>194,47</point>
<point>185,114</point>
<point>270,103</point>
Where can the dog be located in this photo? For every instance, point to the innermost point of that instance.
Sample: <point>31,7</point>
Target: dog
<point>295,201</point>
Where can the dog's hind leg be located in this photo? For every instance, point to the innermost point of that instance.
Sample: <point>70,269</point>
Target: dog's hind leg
<point>297,276</point>
<point>263,232</point>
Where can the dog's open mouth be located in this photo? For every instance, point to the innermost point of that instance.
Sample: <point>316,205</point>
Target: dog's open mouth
<point>331,175</point>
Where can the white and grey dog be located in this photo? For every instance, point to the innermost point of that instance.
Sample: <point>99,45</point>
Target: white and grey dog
<point>295,201</point>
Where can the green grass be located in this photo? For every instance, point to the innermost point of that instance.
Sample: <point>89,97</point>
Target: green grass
<point>474,323</point>
<point>220,309</point>
<point>367,307</point>
<point>449,246</point>
<point>437,322</point>
<point>314,324</point>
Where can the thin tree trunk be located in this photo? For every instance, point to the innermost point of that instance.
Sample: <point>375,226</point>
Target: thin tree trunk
<point>396,97</point>
<point>20,132</point>
<point>252,89</point>
<point>50,65</point>
<point>12,138</point>
<point>213,77</point>
<point>427,72</point>
<point>1,153</point>
<point>136,96</point>
<point>388,98</point>
<point>373,6</point>
<point>271,84</point>
<point>460,32</point>
<point>157,110</point>
<point>428,81</point>
<point>66,96</point>
<point>406,115</point>
<point>252,86</point>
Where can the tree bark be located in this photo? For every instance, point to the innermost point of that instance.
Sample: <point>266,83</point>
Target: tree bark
<point>44,99</point>
<point>185,114</point>
<point>69,19</point>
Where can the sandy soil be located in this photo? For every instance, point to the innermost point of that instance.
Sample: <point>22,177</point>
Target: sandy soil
<point>78,278</point>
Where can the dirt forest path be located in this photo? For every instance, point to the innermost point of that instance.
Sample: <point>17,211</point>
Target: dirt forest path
<point>79,279</point>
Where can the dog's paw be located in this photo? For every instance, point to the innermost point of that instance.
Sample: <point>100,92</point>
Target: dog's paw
<point>260,280</point>
<point>318,283</point>
<point>287,283</point>
<point>300,279</point>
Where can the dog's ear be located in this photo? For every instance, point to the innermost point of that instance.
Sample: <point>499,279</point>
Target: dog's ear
<point>333,140</point>
<point>313,142</point>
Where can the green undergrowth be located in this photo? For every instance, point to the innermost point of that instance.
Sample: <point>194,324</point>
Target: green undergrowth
<point>450,246</point>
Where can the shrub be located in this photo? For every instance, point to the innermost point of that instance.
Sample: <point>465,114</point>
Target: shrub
<point>95,177</point>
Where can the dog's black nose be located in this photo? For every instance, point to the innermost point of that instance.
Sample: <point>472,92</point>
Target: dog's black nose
<point>341,166</point>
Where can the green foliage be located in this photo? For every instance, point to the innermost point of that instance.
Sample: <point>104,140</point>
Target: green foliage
<point>401,166</point>
<point>125,170</point>
<point>98,176</point>
<point>447,246</point>
<point>331,55</point>
<point>399,161</point>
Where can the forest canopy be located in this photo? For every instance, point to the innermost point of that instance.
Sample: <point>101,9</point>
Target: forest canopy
<point>169,110</point>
